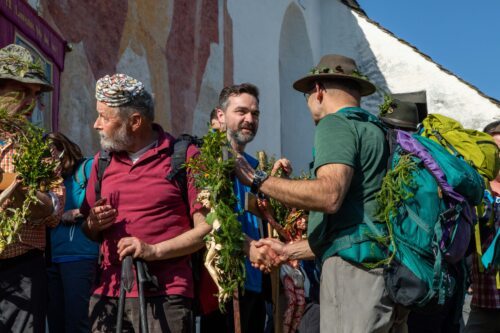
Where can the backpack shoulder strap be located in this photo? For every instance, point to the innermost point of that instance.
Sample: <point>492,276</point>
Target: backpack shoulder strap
<point>179,155</point>
<point>80,175</point>
<point>181,145</point>
<point>102,163</point>
<point>392,143</point>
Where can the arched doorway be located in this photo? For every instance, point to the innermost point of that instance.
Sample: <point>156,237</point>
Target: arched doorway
<point>295,59</point>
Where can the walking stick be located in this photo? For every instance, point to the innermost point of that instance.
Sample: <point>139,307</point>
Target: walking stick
<point>144,279</point>
<point>126,284</point>
<point>141,279</point>
<point>275,290</point>
<point>236,312</point>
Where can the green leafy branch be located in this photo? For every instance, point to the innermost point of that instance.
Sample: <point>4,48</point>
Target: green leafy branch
<point>33,163</point>
<point>279,211</point>
<point>212,170</point>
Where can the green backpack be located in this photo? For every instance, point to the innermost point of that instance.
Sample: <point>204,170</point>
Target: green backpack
<point>475,147</point>
<point>426,200</point>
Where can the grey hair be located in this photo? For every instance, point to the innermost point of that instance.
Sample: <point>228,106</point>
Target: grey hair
<point>142,103</point>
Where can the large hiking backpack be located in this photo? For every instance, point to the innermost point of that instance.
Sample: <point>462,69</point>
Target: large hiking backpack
<point>203,283</point>
<point>426,198</point>
<point>475,147</point>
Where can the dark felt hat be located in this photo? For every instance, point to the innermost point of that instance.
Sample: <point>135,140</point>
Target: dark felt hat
<point>16,63</point>
<point>334,66</point>
<point>401,114</point>
<point>417,97</point>
<point>492,128</point>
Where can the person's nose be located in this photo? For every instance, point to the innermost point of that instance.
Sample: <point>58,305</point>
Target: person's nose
<point>249,118</point>
<point>97,124</point>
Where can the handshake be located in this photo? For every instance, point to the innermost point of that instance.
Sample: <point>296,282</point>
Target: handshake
<point>267,253</point>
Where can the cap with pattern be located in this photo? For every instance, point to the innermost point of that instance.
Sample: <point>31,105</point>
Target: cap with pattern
<point>118,89</point>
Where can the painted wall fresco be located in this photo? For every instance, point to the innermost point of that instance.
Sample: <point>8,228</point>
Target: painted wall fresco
<point>165,44</point>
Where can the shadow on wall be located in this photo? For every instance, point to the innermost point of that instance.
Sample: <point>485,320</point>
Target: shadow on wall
<point>339,33</point>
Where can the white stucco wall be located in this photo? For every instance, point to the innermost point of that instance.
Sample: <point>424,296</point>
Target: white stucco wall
<point>331,27</point>
<point>405,70</point>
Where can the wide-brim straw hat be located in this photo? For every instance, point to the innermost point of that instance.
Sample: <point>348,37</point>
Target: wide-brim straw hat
<point>16,63</point>
<point>334,66</point>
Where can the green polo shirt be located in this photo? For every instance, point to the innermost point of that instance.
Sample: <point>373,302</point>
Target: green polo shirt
<point>350,137</point>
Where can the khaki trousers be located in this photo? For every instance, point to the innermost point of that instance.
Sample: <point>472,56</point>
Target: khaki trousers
<point>353,300</point>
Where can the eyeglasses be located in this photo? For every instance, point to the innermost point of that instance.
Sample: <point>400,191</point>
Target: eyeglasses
<point>312,91</point>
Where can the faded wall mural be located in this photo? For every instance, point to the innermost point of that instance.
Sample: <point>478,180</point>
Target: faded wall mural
<point>165,44</point>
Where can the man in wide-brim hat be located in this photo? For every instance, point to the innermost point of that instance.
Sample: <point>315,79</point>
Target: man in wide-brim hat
<point>22,265</point>
<point>349,164</point>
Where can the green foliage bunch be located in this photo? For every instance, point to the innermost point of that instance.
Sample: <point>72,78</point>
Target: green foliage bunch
<point>279,211</point>
<point>212,172</point>
<point>398,185</point>
<point>34,165</point>
<point>387,106</point>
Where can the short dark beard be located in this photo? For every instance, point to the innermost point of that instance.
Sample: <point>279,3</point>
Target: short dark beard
<point>239,138</point>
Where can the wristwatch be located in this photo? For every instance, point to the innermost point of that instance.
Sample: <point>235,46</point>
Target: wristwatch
<point>258,178</point>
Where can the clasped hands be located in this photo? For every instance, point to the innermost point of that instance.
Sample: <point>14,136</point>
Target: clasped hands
<point>267,253</point>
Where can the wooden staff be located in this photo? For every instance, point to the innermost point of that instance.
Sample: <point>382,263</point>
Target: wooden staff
<point>236,312</point>
<point>275,290</point>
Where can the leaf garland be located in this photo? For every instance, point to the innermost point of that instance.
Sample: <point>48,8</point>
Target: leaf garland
<point>337,70</point>
<point>34,165</point>
<point>212,172</point>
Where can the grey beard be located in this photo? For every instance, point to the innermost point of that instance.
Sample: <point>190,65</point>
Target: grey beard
<point>240,138</point>
<point>119,142</point>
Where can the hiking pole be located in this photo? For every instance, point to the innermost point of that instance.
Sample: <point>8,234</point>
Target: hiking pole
<point>126,284</point>
<point>141,279</point>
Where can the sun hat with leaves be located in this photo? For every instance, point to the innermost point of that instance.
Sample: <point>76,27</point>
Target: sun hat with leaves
<point>334,66</point>
<point>17,63</point>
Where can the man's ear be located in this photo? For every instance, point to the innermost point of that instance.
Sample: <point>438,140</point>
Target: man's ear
<point>319,93</point>
<point>221,116</point>
<point>136,121</point>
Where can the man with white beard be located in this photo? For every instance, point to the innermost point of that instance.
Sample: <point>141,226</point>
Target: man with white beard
<point>141,212</point>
